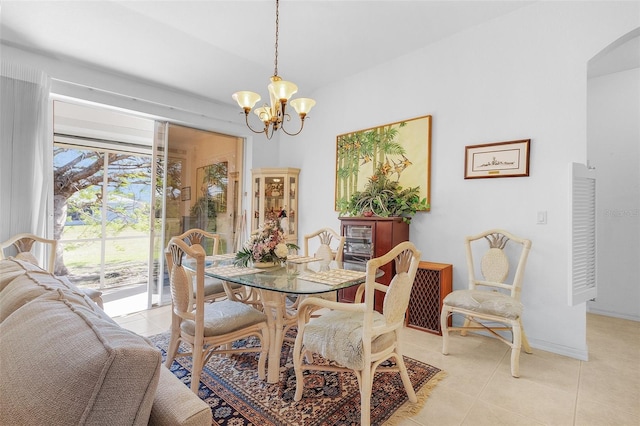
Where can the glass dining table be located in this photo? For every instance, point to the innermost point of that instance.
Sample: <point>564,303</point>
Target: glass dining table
<point>301,275</point>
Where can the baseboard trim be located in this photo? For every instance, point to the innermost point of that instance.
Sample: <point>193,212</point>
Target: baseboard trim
<point>582,355</point>
<point>606,313</point>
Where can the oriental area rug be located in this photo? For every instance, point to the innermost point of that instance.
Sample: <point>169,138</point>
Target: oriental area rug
<point>237,397</point>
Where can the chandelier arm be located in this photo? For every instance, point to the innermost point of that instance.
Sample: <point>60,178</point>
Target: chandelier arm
<point>246,119</point>
<point>285,116</point>
<point>293,134</point>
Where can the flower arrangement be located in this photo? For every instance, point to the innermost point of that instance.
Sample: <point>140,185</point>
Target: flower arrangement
<point>266,244</point>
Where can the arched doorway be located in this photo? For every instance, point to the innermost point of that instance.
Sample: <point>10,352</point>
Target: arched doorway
<point>613,148</point>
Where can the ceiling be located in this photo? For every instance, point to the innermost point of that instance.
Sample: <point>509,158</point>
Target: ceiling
<point>622,55</point>
<point>212,48</point>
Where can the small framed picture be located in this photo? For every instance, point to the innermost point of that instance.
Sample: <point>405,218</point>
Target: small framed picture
<point>186,193</point>
<point>495,160</point>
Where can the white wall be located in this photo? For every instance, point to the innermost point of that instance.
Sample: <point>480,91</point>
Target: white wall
<point>614,150</point>
<point>518,77</point>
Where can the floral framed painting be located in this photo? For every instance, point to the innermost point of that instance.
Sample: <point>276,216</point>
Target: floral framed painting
<point>400,150</point>
<point>494,160</point>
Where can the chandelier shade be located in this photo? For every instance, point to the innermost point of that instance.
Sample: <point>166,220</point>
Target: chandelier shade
<point>303,105</point>
<point>280,92</point>
<point>264,113</point>
<point>246,99</point>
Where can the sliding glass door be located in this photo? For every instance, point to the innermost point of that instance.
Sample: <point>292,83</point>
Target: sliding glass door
<point>199,186</point>
<point>103,183</point>
<point>123,186</point>
<point>102,211</point>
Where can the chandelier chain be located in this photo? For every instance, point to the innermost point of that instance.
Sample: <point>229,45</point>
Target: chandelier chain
<point>275,115</point>
<point>275,71</point>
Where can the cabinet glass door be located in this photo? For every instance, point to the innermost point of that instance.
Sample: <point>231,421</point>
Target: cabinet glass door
<point>274,197</point>
<point>257,205</point>
<point>359,242</point>
<point>291,207</point>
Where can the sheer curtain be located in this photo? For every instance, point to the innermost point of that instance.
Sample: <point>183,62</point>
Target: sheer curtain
<point>26,151</point>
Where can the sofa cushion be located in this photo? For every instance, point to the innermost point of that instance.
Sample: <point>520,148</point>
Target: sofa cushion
<point>27,256</point>
<point>62,363</point>
<point>28,283</point>
<point>12,268</point>
<point>175,404</point>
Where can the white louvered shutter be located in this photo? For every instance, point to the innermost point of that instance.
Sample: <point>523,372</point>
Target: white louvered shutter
<point>583,234</point>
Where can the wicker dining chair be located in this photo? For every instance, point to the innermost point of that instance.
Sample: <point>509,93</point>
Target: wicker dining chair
<point>214,288</point>
<point>24,244</point>
<point>491,303</point>
<point>331,247</point>
<point>208,328</point>
<point>331,244</point>
<point>355,335</point>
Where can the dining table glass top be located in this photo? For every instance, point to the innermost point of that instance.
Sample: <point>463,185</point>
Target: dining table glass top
<point>298,275</point>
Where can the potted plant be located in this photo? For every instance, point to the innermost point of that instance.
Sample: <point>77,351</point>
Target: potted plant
<point>385,197</point>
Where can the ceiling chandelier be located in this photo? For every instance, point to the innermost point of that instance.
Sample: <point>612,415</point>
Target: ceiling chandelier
<point>280,91</point>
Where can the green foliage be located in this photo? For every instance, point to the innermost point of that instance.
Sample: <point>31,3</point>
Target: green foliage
<point>204,207</point>
<point>243,257</point>
<point>364,150</point>
<point>204,211</point>
<point>385,197</point>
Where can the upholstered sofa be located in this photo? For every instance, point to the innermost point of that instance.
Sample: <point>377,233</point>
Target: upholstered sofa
<point>63,361</point>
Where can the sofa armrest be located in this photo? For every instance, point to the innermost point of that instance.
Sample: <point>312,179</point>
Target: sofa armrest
<point>175,404</point>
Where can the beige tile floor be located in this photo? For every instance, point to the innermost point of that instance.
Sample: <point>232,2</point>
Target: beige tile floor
<point>479,389</point>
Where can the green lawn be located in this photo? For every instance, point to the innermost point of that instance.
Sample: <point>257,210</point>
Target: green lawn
<point>126,258</point>
<point>135,248</point>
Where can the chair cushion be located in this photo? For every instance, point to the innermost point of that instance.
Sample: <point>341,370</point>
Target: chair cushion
<point>486,302</point>
<point>214,286</point>
<point>337,336</point>
<point>224,317</point>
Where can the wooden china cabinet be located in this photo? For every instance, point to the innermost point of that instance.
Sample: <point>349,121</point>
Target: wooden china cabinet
<point>370,237</point>
<point>275,190</point>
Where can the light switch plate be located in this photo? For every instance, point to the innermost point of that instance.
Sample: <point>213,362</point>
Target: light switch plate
<point>542,218</point>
